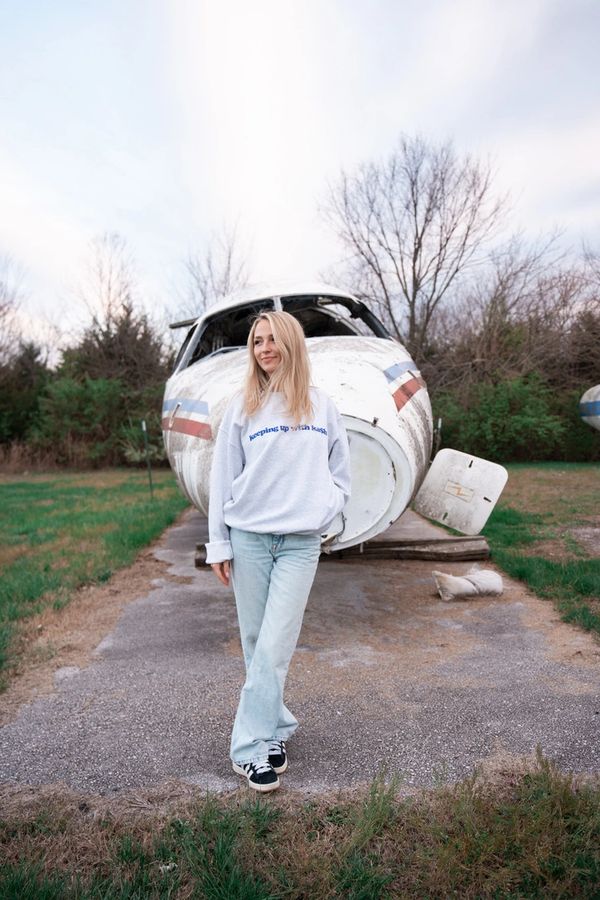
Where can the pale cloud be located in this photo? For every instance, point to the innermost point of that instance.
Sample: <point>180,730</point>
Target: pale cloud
<point>48,227</point>
<point>274,99</point>
<point>36,231</point>
<point>239,114</point>
<point>463,49</point>
<point>558,174</point>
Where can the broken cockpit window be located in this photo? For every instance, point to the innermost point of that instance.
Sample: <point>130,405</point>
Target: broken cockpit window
<point>320,316</point>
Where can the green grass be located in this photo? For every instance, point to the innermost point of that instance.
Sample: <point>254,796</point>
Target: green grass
<point>59,533</point>
<point>509,528</point>
<point>537,836</point>
<point>566,496</point>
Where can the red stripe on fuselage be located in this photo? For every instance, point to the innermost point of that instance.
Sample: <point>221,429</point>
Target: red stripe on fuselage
<point>188,426</point>
<point>407,390</point>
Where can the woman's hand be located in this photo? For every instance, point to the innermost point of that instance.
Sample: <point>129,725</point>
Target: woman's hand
<point>221,570</point>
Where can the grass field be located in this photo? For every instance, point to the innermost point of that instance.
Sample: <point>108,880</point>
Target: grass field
<point>546,532</point>
<point>60,532</point>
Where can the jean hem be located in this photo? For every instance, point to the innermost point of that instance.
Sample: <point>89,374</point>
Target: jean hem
<point>255,759</point>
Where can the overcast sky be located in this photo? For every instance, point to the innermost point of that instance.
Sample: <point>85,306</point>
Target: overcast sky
<point>167,120</point>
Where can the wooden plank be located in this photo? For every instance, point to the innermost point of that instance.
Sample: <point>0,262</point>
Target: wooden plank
<point>468,549</point>
<point>408,542</point>
<point>410,553</point>
<point>443,550</point>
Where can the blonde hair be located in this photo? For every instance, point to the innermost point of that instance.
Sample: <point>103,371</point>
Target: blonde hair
<point>292,375</point>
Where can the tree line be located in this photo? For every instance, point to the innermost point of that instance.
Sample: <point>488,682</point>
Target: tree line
<point>86,410</point>
<point>506,330</point>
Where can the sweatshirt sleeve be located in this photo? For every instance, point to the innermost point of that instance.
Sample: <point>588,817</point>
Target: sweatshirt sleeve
<point>227,464</point>
<point>339,452</point>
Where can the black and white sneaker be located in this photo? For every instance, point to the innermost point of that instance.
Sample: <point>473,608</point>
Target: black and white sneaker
<point>278,756</point>
<point>261,775</point>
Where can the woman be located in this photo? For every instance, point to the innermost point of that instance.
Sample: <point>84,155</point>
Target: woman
<point>280,476</point>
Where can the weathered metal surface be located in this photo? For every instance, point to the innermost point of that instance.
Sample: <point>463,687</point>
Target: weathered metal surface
<point>211,382</point>
<point>589,407</point>
<point>460,490</point>
<point>375,384</point>
<point>275,289</point>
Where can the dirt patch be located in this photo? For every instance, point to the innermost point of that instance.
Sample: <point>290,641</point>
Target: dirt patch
<point>564,643</point>
<point>57,639</point>
<point>588,537</point>
<point>10,554</point>
<point>502,767</point>
<point>570,544</point>
<point>553,490</point>
<point>552,548</point>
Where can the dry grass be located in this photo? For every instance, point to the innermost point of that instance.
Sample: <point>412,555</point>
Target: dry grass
<point>535,833</point>
<point>562,503</point>
<point>553,488</point>
<point>17,459</point>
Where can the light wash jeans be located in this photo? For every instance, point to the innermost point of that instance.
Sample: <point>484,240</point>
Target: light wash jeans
<point>272,575</point>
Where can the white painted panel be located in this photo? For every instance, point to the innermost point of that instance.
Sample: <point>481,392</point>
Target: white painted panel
<point>373,485</point>
<point>589,407</point>
<point>383,479</point>
<point>460,490</point>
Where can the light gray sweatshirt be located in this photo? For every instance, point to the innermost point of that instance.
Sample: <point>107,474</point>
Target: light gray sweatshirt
<point>271,477</point>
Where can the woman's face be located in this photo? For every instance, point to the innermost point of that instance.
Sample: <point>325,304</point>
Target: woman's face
<point>266,353</point>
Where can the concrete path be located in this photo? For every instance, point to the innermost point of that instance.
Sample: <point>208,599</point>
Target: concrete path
<point>385,674</point>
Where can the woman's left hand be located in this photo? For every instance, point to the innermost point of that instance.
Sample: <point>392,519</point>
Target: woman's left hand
<point>221,570</point>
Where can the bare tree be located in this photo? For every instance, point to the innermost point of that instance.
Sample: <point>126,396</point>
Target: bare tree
<point>110,281</point>
<point>591,260</point>
<point>413,225</point>
<point>518,317</point>
<point>11,294</point>
<point>213,273</point>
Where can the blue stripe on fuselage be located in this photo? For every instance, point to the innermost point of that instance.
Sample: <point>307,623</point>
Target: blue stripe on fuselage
<point>399,369</point>
<point>592,408</point>
<point>185,405</point>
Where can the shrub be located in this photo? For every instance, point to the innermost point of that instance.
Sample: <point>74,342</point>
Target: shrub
<point>512,420</point>
<point>22,380</point>
<point>79,421</point>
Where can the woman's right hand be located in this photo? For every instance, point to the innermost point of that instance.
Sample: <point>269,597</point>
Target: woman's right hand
<point>221,570</point>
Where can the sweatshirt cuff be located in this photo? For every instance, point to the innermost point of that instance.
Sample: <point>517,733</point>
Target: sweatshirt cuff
<point>218,551</point>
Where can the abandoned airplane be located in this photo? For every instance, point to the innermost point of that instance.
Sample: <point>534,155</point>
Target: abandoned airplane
<point>377,388</point>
